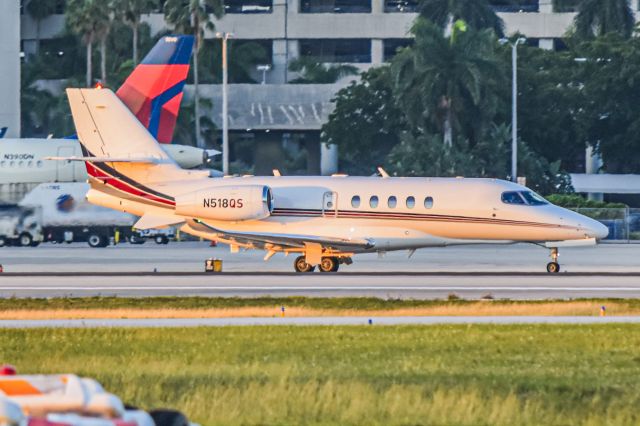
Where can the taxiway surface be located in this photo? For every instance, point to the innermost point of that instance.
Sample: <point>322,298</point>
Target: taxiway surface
<point>221,322</point>
<point>513,272</point>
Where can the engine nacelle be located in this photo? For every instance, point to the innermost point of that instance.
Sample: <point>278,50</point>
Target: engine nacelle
<point>250,202</point>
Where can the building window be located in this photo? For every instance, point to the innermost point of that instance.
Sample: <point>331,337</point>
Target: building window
<point>514,6</point>
<point>248,6</point>
<point>428,202</point>
<point>400,6</point>
<point>355,201</point>
<point>411,202</point>
<point>392,45</point>
<point>335,6</point>
<point>346,50</point>
<point>373,202</point>
<point>61,6</point>
<point>392,202</point>
<point>566,6</point>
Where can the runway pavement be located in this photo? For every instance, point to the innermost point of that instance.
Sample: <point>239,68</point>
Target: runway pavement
<point>309,321</point>
<point>416,286</point>
<point>513,272</point>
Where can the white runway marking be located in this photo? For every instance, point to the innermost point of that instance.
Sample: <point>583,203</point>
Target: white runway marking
<point>315,288</point>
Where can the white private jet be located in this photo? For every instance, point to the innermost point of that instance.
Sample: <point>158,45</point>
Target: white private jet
<point>326,220</point>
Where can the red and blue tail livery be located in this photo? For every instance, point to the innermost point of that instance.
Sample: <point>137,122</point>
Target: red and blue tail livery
<point>153,91</point>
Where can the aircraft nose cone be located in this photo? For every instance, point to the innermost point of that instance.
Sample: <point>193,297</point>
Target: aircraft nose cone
<point>597,230</point>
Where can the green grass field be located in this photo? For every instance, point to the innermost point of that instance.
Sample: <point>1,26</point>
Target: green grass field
<point>406,375</point>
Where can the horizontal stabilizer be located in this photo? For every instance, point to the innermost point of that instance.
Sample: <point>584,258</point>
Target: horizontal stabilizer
<point>144,160</point>
<point>151,221</point>
<point>571,243</point>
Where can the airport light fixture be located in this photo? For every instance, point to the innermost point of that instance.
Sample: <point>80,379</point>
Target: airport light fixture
<point>225,102</point>
<point>264,69</point>
<point>514,103</point>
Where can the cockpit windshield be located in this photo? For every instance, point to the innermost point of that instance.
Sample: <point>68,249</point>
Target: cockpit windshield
<point>533,199</point>
<point>523,198</point>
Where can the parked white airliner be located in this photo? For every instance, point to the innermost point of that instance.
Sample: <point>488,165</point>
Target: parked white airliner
<point>326,220</point>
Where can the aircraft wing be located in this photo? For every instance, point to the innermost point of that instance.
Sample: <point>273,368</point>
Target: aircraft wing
<point>291,240</point>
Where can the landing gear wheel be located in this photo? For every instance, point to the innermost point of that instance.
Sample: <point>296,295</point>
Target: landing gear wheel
<point>329,264</point>
<point>96,240</point>
<point>553,267</point>
<point>301,265</point>
<point>161,239</point>
<point>3,241</point>
<point>26,240</point>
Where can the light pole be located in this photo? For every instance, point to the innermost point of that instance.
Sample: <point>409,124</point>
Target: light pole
<point>264,69</point>
<point>225,104</point>
<point>514,104</point>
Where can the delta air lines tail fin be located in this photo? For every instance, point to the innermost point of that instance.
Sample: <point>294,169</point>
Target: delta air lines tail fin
<point>153,91</point>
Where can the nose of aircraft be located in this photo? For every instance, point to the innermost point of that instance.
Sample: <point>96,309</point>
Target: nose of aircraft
<point>596,229</point>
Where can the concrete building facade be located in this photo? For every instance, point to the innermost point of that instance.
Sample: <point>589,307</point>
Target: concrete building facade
<point>10,68</point>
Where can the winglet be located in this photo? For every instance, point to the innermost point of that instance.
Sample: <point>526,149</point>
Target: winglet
<point>151,221</point>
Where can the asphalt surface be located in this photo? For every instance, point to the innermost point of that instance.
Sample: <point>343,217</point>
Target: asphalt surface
<point>308,321</point>
<point>514,272</point>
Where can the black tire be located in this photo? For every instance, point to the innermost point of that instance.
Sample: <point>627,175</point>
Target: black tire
<point>161,239</point>
<point>168,418</point>
<point>97,240</point>
<point>134,239</point>
<point>553,267</point>
<point>25,239</point>
<point>301,265</point>
<point>3,241</point>
<point>329,264</point>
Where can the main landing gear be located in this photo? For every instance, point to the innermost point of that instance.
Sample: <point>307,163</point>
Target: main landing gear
<point>553,267</point>
<point>327,264</point>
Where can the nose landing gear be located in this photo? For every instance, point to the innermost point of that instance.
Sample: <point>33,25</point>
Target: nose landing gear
<point>553,267</point>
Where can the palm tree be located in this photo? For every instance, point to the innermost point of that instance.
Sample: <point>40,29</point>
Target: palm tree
<point>130,12</point>
<point>440,79</point>
<point>87,18</point>
<point>478,14</point>
<point>312,70</point>
<point>40,9</point>
<point>598,17</point>
<point>193,17</point>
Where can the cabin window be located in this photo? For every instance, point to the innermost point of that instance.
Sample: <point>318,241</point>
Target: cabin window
<point>428,202</point>
<point>411,202</point>
<point>373,202</point>
<point>512,197</point>
<point>392,202</point>
<point>355,201</point>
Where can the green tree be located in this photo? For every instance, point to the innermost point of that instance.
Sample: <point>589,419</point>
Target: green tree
<point>88,19</point>
<point>598,17</point>
<point>478,14</point>
<point>549,103</point>
<point>40,9</point>
<point>366,123</point>
<point>609,119</point>
<point>449,82</point>
<point>313,71</point>
<point>243,56</point>
<point>130,12</point>
<point>193,17</point>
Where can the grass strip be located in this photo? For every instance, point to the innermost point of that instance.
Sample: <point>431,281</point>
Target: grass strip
<point>203,307</point>
<point>445,374</point>
<point>320,303</point>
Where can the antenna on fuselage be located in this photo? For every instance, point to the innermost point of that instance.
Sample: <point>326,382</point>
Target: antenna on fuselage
<point>383,172</point>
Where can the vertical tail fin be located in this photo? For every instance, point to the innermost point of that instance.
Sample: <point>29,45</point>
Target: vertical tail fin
<point>153,91</point>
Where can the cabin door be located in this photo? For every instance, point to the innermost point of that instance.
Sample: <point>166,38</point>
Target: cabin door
<point>330,204</point>
<point>64,169</point>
